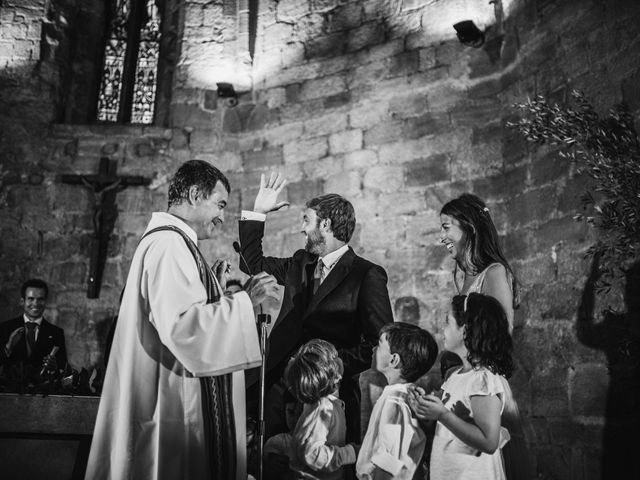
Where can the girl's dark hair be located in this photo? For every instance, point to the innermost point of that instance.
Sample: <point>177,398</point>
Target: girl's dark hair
<point>481,242</point>
<point>314,371</point>
<point>486,333</point>
<point>416,347</point>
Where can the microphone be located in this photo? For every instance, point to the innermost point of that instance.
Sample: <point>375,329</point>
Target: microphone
<point>54,350</point>
<point>236,247</point>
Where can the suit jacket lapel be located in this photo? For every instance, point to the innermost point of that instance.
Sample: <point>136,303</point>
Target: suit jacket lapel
<point>336,275</point>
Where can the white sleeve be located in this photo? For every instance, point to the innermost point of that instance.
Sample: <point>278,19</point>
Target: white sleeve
<point>208,339</point>
<point>391,446</point>
<point>313,433</point>
<point>249,215</point>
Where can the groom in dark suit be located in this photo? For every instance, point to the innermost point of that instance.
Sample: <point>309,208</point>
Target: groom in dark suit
<point>29,339</point>
<point>329,293</point>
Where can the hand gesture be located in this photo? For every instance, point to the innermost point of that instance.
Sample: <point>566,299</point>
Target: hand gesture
<point>260,287</point>
<point>267,198</point>
<point>431,407</point>
<point>49,363</point>
<point>14,338</point>
<point>425,407</point>
<point>221,269</point>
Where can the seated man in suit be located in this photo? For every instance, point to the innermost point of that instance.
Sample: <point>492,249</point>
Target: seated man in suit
<point>329,293</point>
<point>29,338</point>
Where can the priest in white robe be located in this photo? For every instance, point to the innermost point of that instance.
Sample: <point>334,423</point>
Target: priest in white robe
<point>178,344</point>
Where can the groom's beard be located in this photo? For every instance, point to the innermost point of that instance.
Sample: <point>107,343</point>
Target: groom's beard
<point>315,242</point>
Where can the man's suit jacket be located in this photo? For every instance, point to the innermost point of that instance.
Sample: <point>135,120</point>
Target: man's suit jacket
<point>48,337</point>
<point>348,309</point>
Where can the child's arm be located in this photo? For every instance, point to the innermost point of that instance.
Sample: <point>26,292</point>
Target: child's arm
<point>483,433</point>
<point>317,454</point>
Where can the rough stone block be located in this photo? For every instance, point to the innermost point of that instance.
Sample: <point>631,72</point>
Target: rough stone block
<point>368,74</point>
<point>70,273</point>
<point>405,63</point>
<point>337,100</point>
<point>326,45</point>
<point>360,159</point>
<point>367,35</point>
<point>554,461</point>
<point>471,114</point>
<point>569,199</point>
<point>323,168</point>
<point>384,178</point>
<point>322,87</point>
<point>383,133</point>
<point>283,133</point>
<point>549,393</point>
<point>346,141</point>
<point>292,53</point>
<point>588,386</point>
<point>426,124</point>
<point>225,161</point>
<point>506,184</point>
<point>344,183</point>
<point>191,115</point>
<point>263,158</point>
<point>549,168</point>
<point>561,231</point>
<point>292,92</point>
<point>210,100</point>
<point>298,193</point>
<point>291,8</point>
<point>325,124</point>
<point>368,115</point>
<point>518,243</point>
<point>378,53</point>
<point>204,140</point>
<point>408,104</point>
<point>426,171</point>
<point>534,205</point>
<point>305,150</point>
<point>345,17</point>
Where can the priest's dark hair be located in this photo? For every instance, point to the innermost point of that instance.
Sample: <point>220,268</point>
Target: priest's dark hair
<point>34,283</point>
<point>339,211</point>
<point>415,346</point>
<point>195,173</point>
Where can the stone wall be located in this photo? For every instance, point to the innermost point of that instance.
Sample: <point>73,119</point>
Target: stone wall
<point>376,100</point>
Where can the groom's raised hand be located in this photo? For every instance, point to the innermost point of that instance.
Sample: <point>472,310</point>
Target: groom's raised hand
<point>267,198</point>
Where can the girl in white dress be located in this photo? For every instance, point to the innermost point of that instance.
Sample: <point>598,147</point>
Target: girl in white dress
<point>468,434</point>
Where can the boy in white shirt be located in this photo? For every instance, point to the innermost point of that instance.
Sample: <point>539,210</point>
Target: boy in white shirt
<point>394,442</point>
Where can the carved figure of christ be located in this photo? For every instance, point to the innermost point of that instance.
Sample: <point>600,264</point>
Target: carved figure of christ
<point>104,187</point>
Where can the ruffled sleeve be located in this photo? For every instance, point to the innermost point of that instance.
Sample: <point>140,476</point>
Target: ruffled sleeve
<point>486,383</point>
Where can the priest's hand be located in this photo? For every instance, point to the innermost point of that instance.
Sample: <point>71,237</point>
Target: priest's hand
<point>260,287</point>
<point>14,338</point>
<point>221,269</point>
<point>267,198</point>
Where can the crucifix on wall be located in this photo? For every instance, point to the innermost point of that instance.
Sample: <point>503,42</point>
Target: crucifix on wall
<point>104,186</point>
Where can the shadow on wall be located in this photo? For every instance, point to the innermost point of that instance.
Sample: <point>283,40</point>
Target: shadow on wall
<point>618,336</point>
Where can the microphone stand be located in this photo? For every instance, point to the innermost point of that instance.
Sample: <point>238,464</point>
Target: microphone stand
<point>263,320</point>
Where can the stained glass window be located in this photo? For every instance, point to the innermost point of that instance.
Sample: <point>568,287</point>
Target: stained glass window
<point>129,78</point>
